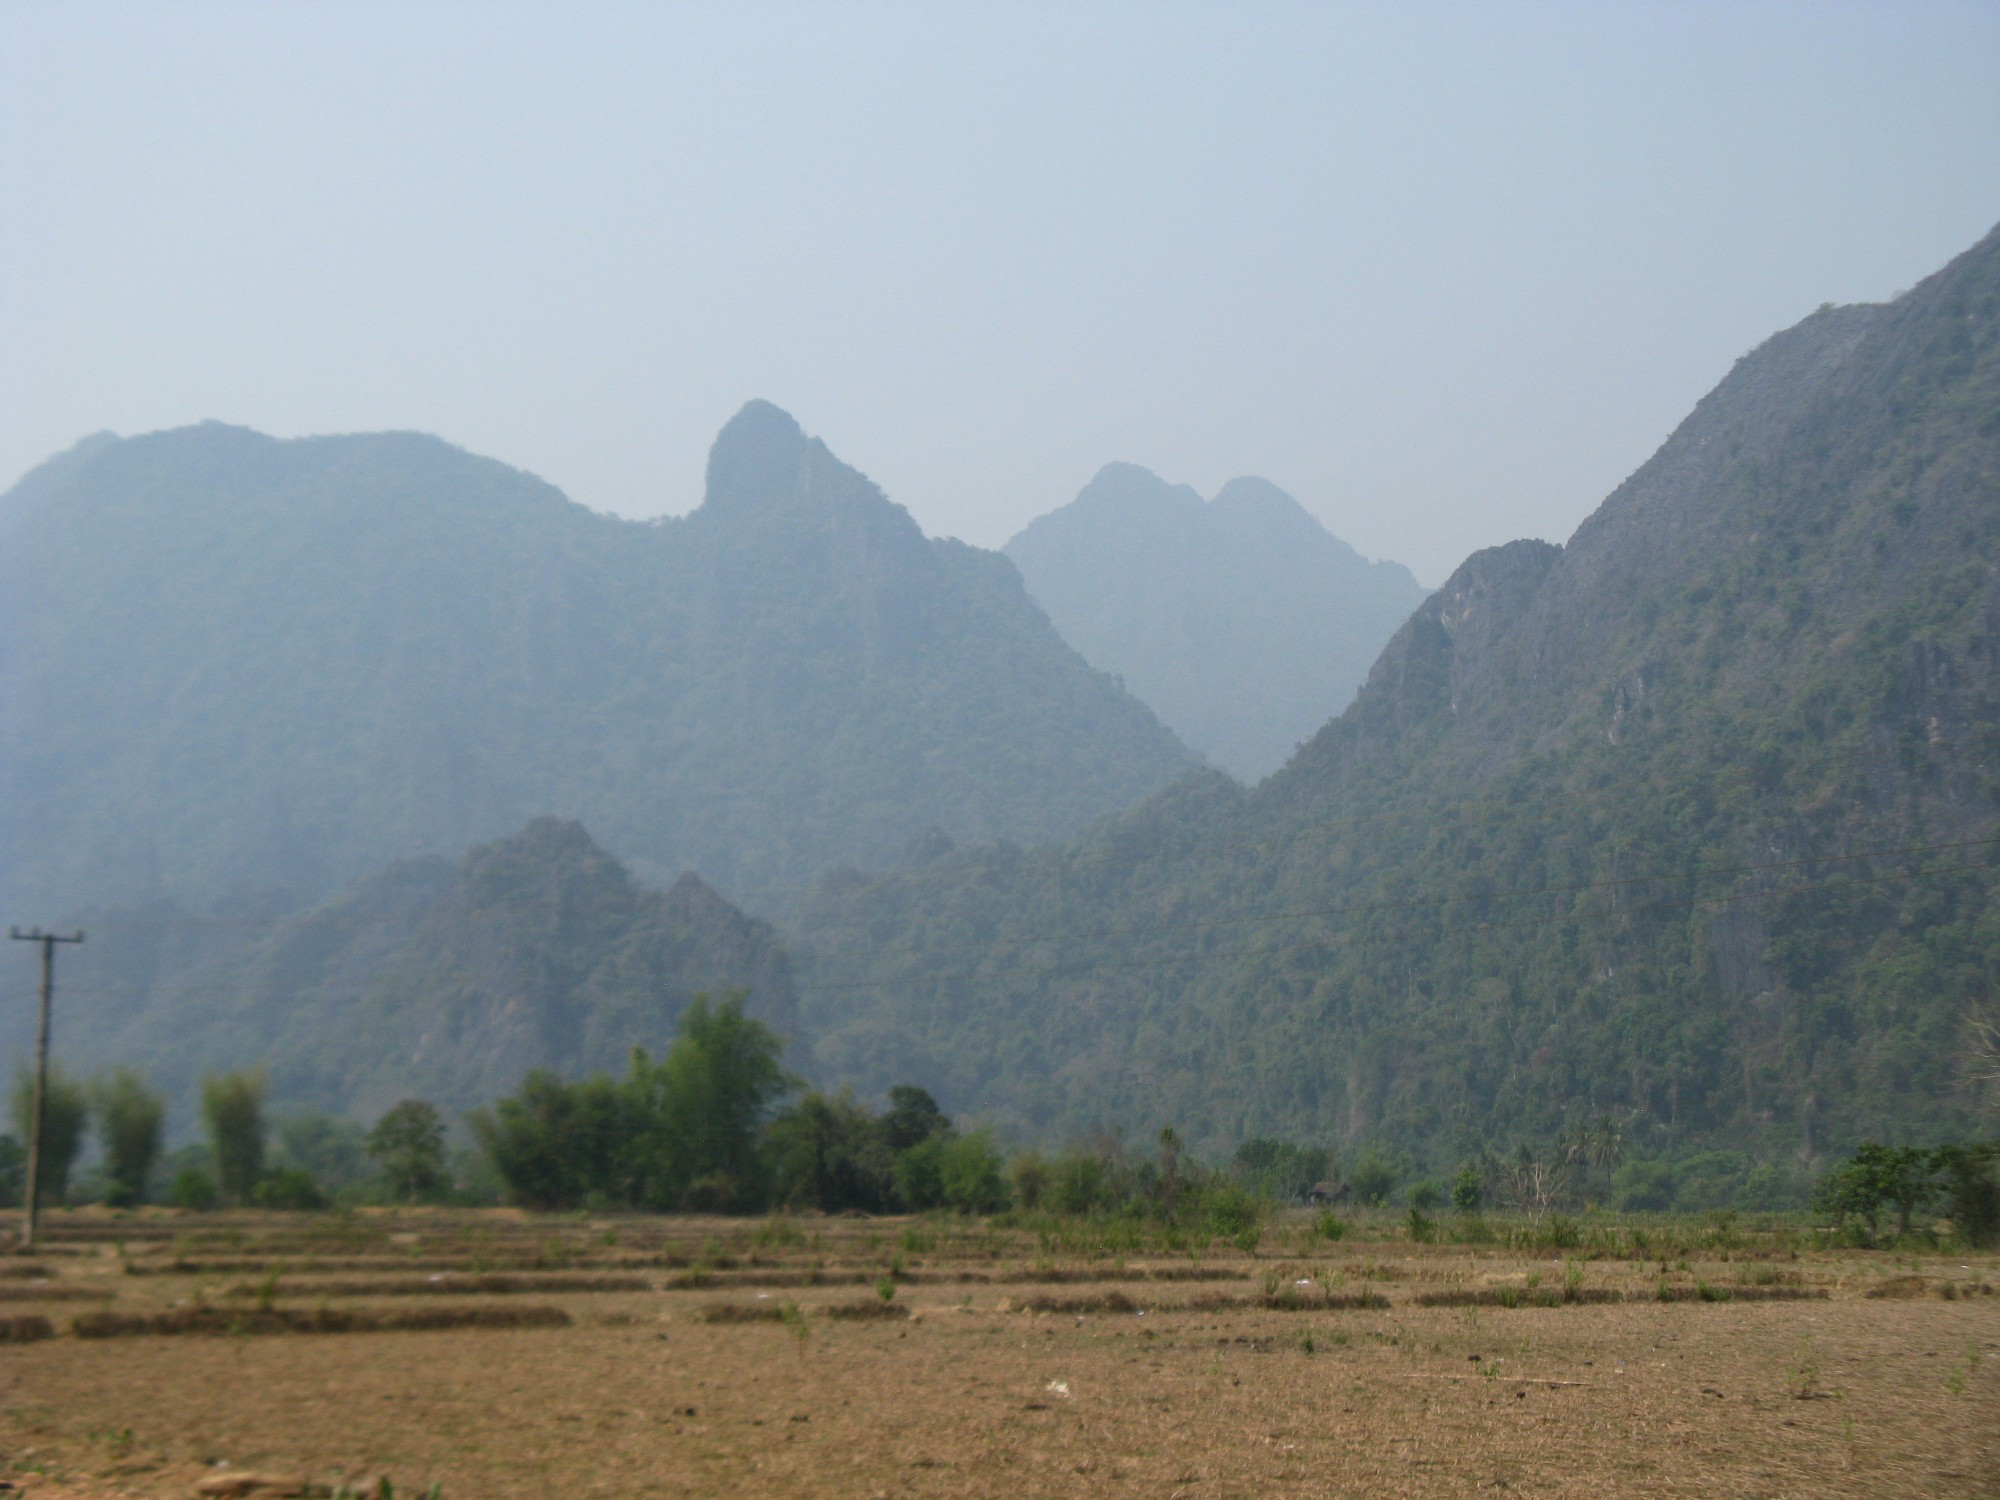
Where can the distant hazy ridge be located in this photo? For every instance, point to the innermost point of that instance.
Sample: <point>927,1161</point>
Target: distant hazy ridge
<point>1240,621</point>
<point>236,669</point>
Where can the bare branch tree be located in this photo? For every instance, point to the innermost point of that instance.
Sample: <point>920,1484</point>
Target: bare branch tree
<point>1535,1184</point>
<point>1982,1022</point>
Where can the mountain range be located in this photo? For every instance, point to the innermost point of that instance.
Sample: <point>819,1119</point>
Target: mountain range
<point>1688,824</point>
<point>1241,621</point>
<point>240,671</point>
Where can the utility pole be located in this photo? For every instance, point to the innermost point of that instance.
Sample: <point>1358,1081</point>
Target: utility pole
<point>48,940</point>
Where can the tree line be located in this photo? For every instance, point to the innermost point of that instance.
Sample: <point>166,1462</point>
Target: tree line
<point>715,1124</point>
<point>1961,1180</point>
<point>404,1154</point>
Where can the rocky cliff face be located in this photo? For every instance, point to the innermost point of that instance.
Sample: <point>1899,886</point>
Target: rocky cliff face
<point>1690,821</point>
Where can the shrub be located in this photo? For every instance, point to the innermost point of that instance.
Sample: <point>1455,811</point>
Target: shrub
<point>1764,1190</point>
<point>1426,1196</point>
<point>1472,1229</point>
<point>13,1172</point>
<point>1466,1191</point>
<point>1231,1213</point>
<point>1030,1176</point>
<point>969,1174</point>
<point>288,1188</point>
<point>1281,1170</point>
<point>193,1188</point>
<point>1561,1233</point>
<point>1079,1183</point>
<point>1373,1180</point>
<point>334,1150</point>
<point>713,1193</point>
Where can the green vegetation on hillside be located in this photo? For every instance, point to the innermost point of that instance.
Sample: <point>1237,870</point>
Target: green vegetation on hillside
<point>430,980</point>
<point>1690,823</point>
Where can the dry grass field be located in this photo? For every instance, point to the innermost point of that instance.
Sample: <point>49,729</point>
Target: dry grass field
<point>497,1355</point>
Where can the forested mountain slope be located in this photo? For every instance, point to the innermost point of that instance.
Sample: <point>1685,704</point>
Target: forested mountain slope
<point>241,669</point>
<point>435,979</point>
<point>1689,822</point>
<point>1241,621</point>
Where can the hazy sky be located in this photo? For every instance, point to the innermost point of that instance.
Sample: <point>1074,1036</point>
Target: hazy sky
<point>1447,273</point>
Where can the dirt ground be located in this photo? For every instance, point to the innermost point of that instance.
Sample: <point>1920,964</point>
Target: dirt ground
<point>1005,1365</point>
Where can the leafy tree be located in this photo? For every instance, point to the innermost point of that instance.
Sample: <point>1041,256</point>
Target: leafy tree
<point>232,1106</point>
<point>682,1131</point>
<point>558,1144</point>
<point>1970,1179</point>
<point>407,1145</point>
<point>913,1117</point>
<point>701,1109</point>
<point>919,1174</point>
<point>1873,1177</point>
<point>1906,1181</point>
<point>829,1153</point>
<point>65,1117</point>
<point>129,1116</point>
<point>1876,1174</point>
